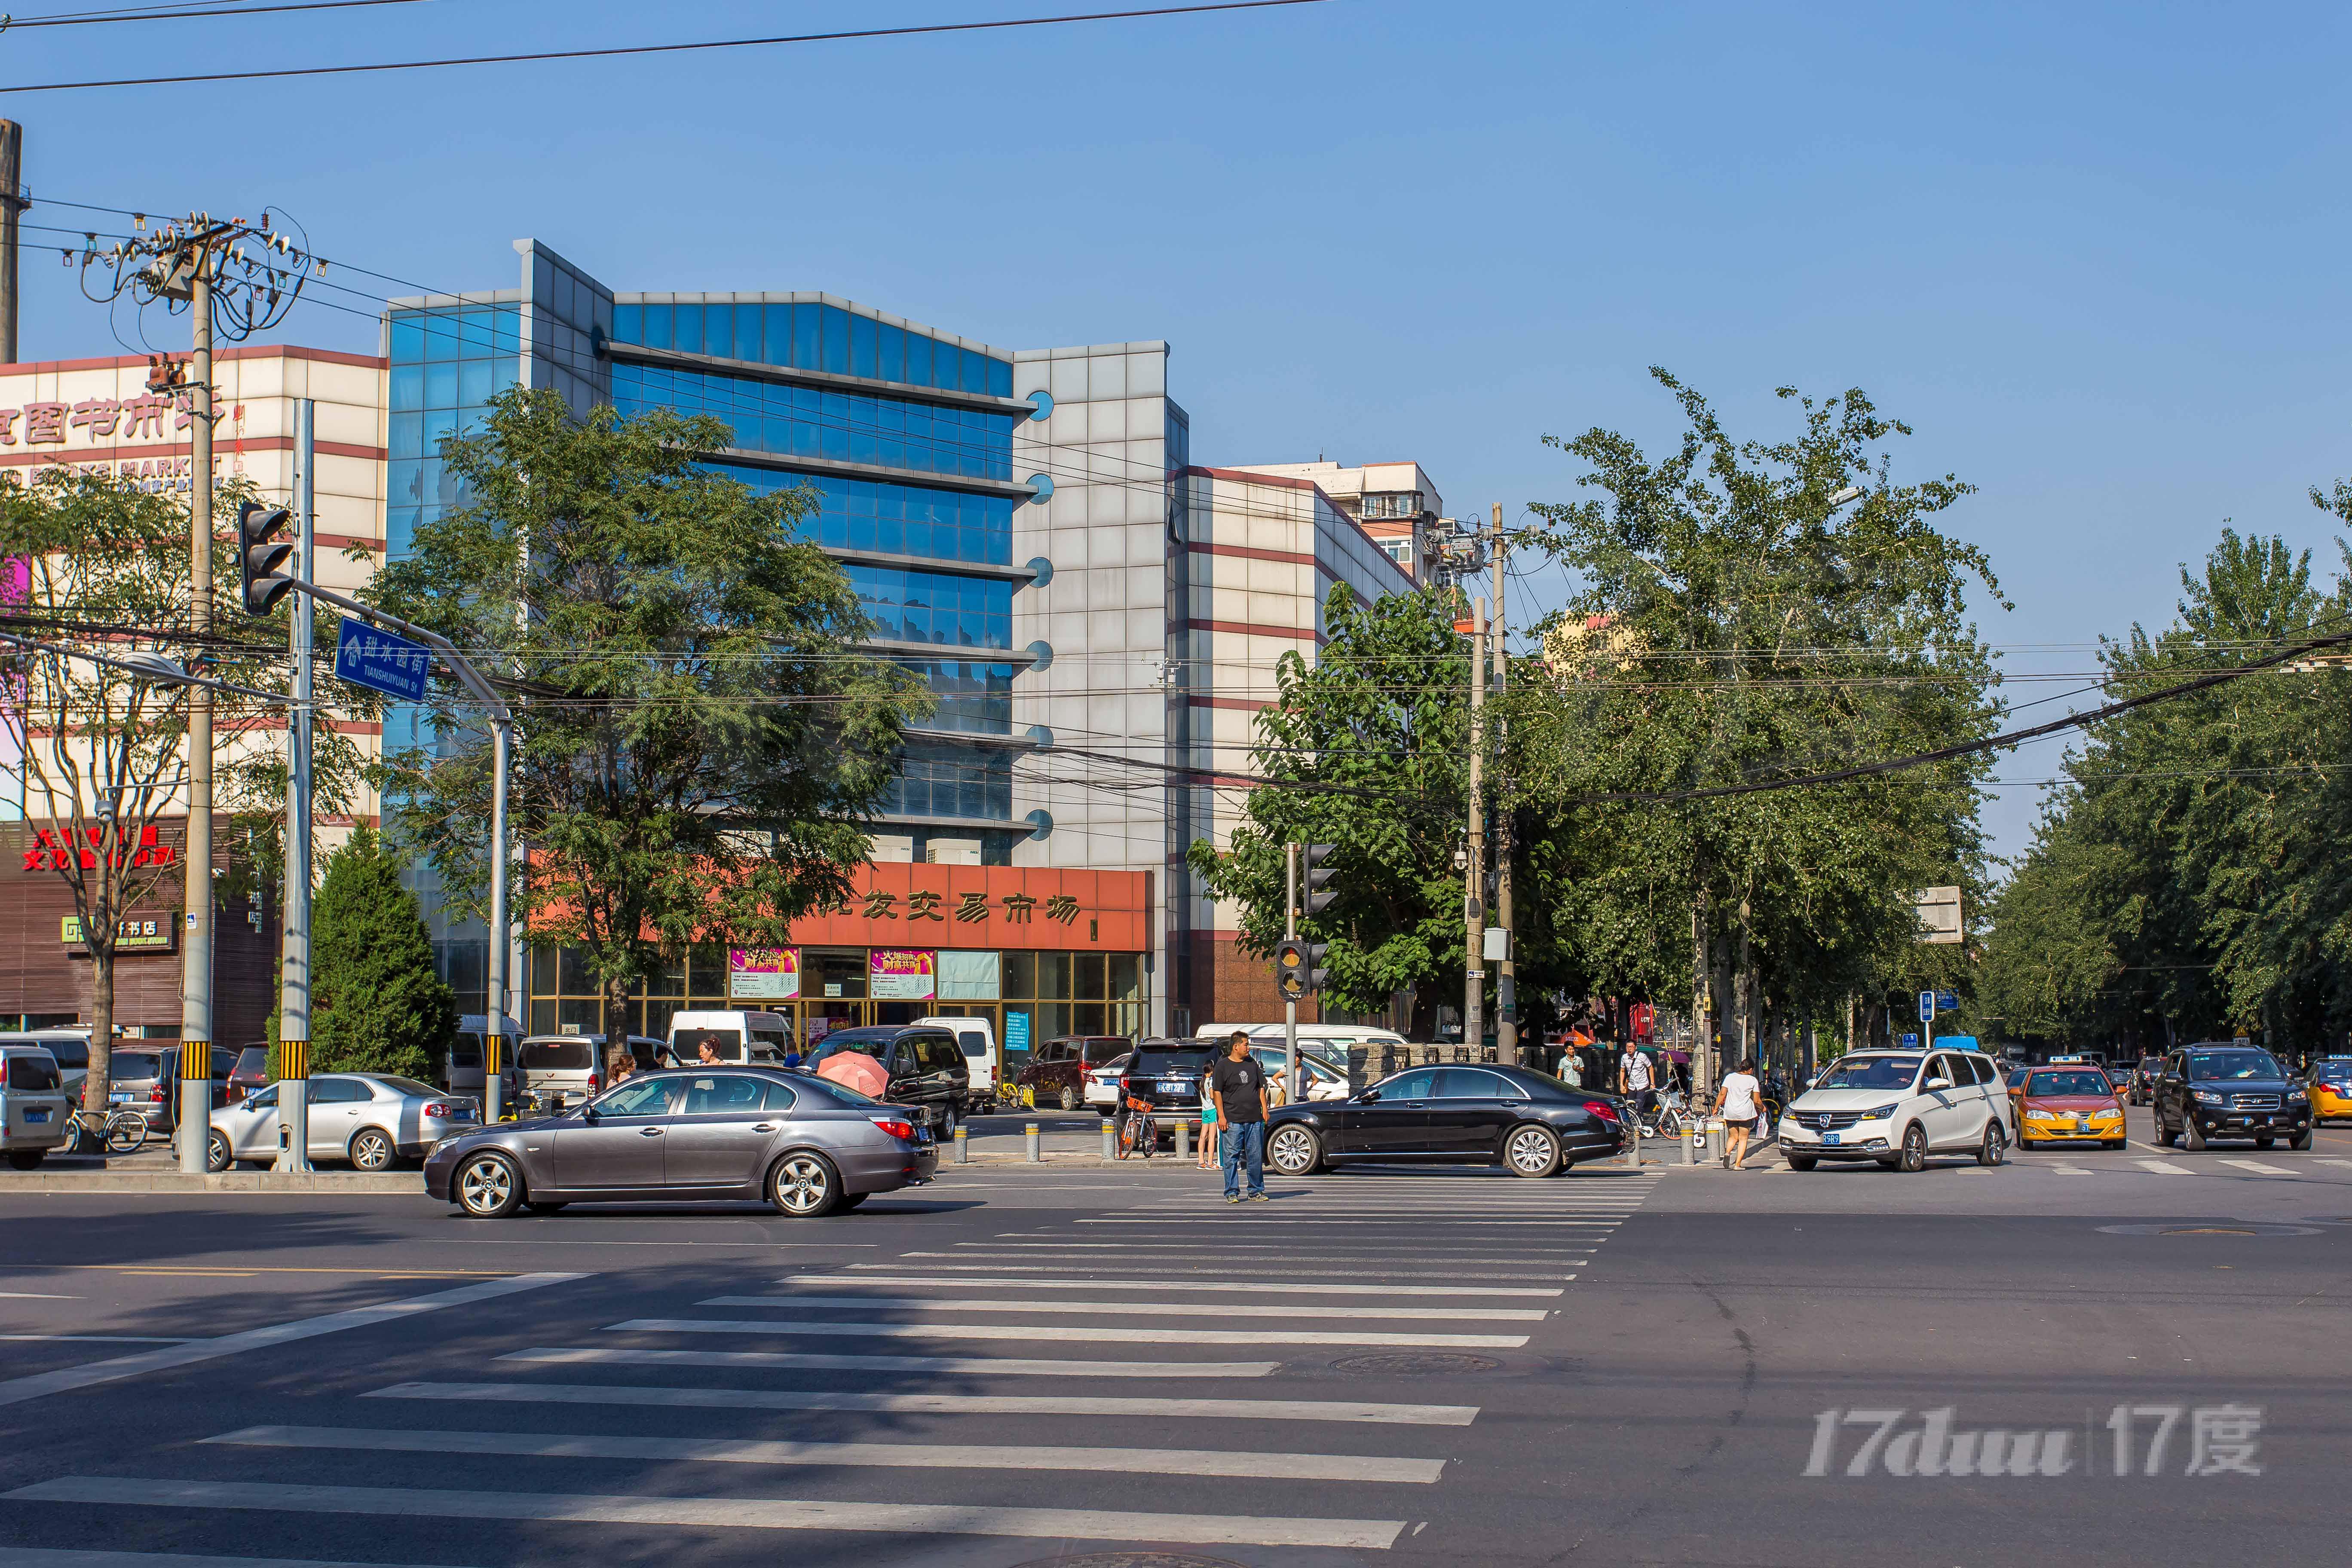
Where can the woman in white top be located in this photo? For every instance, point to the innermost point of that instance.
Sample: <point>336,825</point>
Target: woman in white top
<point>1735,1101</point>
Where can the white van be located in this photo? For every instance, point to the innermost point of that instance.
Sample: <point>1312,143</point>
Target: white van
<point>977,1039</point>
<point>1332,1042</point>
<point>759,1039</point>
<point>71,1047</point>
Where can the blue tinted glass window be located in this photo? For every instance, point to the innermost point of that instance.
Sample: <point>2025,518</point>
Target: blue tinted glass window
<point>918,359</point>
<point>862,333</point>
<point>404,437</point>
<point>837,339</point>
<point>407,387</point>
<point>777,344</point>
<point>628,324</point>
<point>718,330</point>
<point>473,381</point>
<point>657,327</point>
<point>441,386</point>
<point>474,331</point>
<point>1000,378</point>
<point>407,339</point>
<point>685,329</point>
<point>808,325</point>
<point>747,332</point>
<point>892,364</point>
<point>975,371</point>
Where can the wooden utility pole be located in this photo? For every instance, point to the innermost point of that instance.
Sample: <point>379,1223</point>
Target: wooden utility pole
<point>12,208</point>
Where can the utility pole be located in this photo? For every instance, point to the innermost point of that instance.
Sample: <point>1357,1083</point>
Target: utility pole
<point>294,1013</point>
<point>1474,898</point>
<point>12,209</point>
<point>1290,1003</point>
<point>197,949</point>
<point>1506,998</point>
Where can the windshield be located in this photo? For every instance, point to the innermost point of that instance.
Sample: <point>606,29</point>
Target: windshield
<point>32,1074</point>
<point>2072,1082</point>
<point>1870,1072</point>
<point>2223,1067</point>
<point>556,1056</point>
<point>688,1043</point>
<point>136,1064</point>
<point>1165,1064</point>
<point>840,1091</point>
<point>408,1086</point>
<point>857,1042</point>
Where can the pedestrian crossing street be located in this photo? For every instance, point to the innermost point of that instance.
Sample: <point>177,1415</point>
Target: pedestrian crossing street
<point>1159,1375</point>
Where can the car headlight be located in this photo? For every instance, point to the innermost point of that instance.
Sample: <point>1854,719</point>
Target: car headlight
<point>2294,1095</point>
<point>2045,1116</point>
<point>1879,1112</point>
<point>2205,1097</point>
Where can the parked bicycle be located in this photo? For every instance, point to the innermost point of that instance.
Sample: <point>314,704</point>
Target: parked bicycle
<point>118,1132</point>
<point>1139,1136</point>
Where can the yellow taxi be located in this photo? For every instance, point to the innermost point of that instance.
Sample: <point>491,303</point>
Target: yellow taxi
<point>2069,1104</point>
<point>2331,1089</point>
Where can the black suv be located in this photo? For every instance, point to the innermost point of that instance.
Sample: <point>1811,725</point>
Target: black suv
<point>924,1065</point>
<point>2225,1089</point>
<point>1166,1075</point>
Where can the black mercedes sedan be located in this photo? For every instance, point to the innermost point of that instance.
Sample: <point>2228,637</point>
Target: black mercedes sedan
<point>1531,1123</point>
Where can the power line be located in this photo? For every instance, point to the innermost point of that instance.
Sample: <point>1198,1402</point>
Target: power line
<point>663,48</point>
<point>173,14</point>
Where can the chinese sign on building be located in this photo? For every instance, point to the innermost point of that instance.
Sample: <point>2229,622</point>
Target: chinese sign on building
<point>902,975</point>
<point>763,973</point>
<point>141,935</point>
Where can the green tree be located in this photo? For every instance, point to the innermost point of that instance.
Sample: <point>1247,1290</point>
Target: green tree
<point>377,1005</point>
<point>698,741</point>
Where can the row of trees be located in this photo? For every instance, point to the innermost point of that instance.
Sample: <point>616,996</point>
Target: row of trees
<point>1745,612</point>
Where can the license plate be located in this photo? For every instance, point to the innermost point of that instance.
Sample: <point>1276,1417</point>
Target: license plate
<point>35,1117</point>
<point>118,1099</point>
<point>1832,1137</point>
<point>1174,1086</point>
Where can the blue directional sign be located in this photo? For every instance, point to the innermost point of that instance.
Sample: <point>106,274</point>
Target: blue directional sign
<point>381,660</point>
<point>1911,1039</point>
<point>1927,1006</point>
<point>1947,1002</point>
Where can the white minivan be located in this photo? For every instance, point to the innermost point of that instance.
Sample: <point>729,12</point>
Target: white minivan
<point>759,1039</point>
<point>976,1037</point>
<point>1332,1042</point>
<point>1897,1107</point>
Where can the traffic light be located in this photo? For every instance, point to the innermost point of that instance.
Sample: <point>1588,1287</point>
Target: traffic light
<point>1296,967</point>
<point>1319,879</point>
<point>258,555</point>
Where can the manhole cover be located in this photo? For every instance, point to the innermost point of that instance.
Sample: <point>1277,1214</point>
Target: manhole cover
<point>1133,1560</point>
<point>1402,1365</point>
<point>2177,1228</point>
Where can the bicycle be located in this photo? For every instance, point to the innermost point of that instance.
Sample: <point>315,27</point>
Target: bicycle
<point>1139,1136</point>
<point>118,1133</point>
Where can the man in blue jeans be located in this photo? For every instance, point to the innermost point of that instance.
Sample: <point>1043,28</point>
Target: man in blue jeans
<point>1237,1086</point>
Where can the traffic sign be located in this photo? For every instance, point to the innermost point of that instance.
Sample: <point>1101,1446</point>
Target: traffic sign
<point>1910,1040</point>
<point>1927,1006</point>
<point>381,660</point>
<point>1947,1002</point>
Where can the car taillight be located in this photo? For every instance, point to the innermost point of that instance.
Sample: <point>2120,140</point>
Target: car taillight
<point>155,1095</point>
<point>435,1108</point>
<point>593,1081</point>
<point>1602,1109</point>
<point>1125,1084</point>
<point>903,1130</point>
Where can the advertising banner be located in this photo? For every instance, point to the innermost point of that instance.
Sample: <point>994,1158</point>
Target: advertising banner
<point>763,973</point>
<point>902,975</point>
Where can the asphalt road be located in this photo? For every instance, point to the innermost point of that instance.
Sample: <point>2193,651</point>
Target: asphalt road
<point>1063,1364</point>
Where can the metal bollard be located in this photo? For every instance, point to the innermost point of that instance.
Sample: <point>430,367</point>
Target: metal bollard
<point>1110,1141</point>
<point>962,1144</point>
<point>1690,1146</point>
<point>1633,1151</point>
<point>1037,1145</point>
<point>1183,1140</point>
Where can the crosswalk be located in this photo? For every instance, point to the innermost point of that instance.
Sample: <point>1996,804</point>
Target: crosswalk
<point>1165,1374</point>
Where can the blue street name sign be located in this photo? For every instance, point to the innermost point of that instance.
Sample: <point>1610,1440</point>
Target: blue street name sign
<point>1910,1040</point>
<point>1947,1002</point>
<point>381,660</point>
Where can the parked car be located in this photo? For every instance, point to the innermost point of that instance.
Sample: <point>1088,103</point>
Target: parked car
<point>1324,1081</point>
<point>1530,1123</point>
<point>2223,1090</point>
<point>33,1104</point>
<point>559,1070</point>
<point>1102,1084</point>
<point>976,1037</point>
<point>921,1063</point>
<point>1331,1042</point>
<point>1899,1107</point>
<point>370,1118</point>
<point>807,1146</point>
<point>461,1073</point>
<point>735,1036</point>
<point>1057,1073</point>
<point>2329,1085</point>
<point>1165,1075</point>
<point>2069,1104</point>
<point>251,1072</point>
<point>148,1080</point>
<point>69,1047</point>
<point>2139,1086</point>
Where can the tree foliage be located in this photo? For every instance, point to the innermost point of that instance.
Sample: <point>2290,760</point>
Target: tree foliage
<point>377,1005</point>
<point>696,742</point>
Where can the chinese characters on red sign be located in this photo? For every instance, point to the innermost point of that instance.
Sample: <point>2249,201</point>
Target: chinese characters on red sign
<point>60,848</point>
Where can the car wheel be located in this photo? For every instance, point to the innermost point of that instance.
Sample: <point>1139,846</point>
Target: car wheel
<point>1069,1097</point>
<point>1532,1151</point>
<point>2192,1134</point>
<point>803,1185</point>
<point>2113,1143</point>
<point>488,1186</point>
<point>1294,1150</point>
<point>1915,1148</point>
<point>537,1207</point>
<point>371,1149</point>
<point>2165,1136</point>
<point>2264,1142</point>
<point>2300,1141</point>
<point>1889,1161</point>
<point>216,1155</point>
<point>1995,1147</point>
<point>947,1120</point>
<point>849,1200</point>
<point>25,1159</point>
<point>1802,1162</point>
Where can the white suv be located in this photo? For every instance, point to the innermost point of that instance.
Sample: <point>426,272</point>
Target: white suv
<point>1897,1107</point>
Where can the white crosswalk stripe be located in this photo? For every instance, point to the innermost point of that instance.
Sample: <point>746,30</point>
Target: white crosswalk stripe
<point>1134,1308</point>
<point>952,1365</point>
<point>1226,1286</point>
<point>1065,1334</point>
<point>2161,1167</point>
<point>2258,1168</point>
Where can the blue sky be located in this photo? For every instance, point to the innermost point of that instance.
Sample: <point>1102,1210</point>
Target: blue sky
<point>2088,252</point>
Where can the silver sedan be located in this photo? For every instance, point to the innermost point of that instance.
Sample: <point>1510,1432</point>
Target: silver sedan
<point>370,1118</point>
<point>802,1143</point>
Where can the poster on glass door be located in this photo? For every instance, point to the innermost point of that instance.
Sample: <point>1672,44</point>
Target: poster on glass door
<point>902,975</point>
<point>763,973</point>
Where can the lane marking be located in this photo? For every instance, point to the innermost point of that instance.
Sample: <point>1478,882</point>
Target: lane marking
<point>1134,1308</point>
<point>1259,1218</point>
<point>65,1557</point>
<point>986,1366</point>
<point>2070,1171</point>
<point>726,1512</point>
<point>38,1296</point>
<point>977,1276</point>
<point>17,1389</point>
<point>2258,1168</point>
<point>243,1269</point>
<point>1161,1260</point>
<point>1069,1334</point>
<point>2161,1168</point>
<point>106,1339</point>
<point>1375,1413</point>
<point>900,1456</point>
<point>2332,1161</point>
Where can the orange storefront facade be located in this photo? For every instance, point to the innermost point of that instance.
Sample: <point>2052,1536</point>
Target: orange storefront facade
<point>1039,951</point>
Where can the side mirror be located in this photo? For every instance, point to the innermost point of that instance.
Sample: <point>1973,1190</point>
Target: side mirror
<point>1935,1083</point>
<point>590,1114</point>
<point>1368,1096</point>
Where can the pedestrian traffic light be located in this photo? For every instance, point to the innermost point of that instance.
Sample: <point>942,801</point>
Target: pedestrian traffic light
<point>1296,972</point>
<point>1319,879</point>
<point>258,555</point>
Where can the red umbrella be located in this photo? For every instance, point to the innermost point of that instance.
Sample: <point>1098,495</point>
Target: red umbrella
<point>851,1069</point>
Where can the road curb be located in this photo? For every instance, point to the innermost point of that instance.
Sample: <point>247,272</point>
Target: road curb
<point>327,1182</point>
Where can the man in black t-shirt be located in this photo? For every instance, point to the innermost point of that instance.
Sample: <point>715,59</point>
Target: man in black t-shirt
<point>1238,1084</point>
